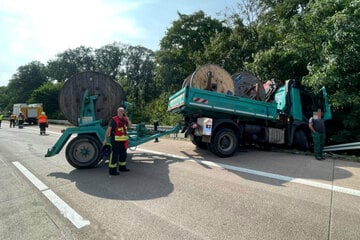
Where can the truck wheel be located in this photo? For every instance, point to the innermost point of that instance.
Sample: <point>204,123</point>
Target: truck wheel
<point>197,142</point>
<point>224,143</point>
<point>83,152</point>
<point>300,141</point>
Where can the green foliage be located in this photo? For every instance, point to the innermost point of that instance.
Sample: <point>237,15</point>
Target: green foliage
<point>48,95</point>
<point>5,108</point>
<point>70,62</point>
<point>230,49</point>
<point>139,69</point>
<point>157,111</point>
<point>25,81</point>
<point>279,64</point>
<point>182,47</point>
<point>338,62</point>
<point>109,58</point>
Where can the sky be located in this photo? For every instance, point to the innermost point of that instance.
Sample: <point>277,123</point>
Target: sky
<point>38,30</point>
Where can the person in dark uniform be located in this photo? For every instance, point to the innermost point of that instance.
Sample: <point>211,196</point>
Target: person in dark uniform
<point>317,127</point>
<point>117,131</point>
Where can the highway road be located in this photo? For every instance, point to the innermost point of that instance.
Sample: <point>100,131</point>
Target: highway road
<point>174,191</point>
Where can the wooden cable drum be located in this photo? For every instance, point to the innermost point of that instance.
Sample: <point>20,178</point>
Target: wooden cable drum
<point>248,85</point>
<point>109,96</point>
<point>211,77</point>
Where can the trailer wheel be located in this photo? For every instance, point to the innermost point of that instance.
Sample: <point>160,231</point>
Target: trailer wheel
<point>197,142</point>
<point>301,142</point>
<point>83,152</point>
<point>224,143</point>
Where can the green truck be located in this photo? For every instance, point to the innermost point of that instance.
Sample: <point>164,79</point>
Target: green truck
<point>222,121</point>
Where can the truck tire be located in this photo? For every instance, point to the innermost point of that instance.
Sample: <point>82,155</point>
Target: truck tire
<point>83,152</point>
<point>225,143</point>
<point>197,142</point>
<point>301,142</point>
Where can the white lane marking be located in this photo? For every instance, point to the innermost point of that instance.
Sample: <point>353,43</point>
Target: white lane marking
<point>3,162</point>
<point>66,210</point>
<point>38,184</point>
<point>63,207</point>
<point>325,186</point>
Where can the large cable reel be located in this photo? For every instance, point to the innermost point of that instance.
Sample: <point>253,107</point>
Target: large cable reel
<point>109,96</point>
<point>248,85</point>
<point>212,78</point>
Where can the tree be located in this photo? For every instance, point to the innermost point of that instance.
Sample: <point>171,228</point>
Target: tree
<point>109,59</point>
<point>277,52</point>
<point>138,77</point>
<point>25,81</point>
<point>338,64</point>
<point>231,48</point>
<point>48,95</point>
<point>5,107</point>
<point>181,47</point>
<point>70,62</point>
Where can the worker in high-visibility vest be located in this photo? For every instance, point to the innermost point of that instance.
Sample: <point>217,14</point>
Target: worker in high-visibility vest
<point>117,131</point>
<point>12,120</point>
<point>43,123</point>
<point>1,118</point>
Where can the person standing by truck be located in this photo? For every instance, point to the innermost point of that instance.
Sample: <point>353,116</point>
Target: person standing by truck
<point>317,127</point>
<point>43,123</point>
<point>12,120</point>
<point>21,119</point>
<point>117,131</point>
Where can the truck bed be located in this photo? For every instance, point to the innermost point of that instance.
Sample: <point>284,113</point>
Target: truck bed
<point>217,105</point>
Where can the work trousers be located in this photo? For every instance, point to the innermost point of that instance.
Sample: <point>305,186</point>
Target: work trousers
<point>12,123</point>
<point>319,142</point>
<point>42,128</point>
<point>118,155</point>
<point>21,123</point>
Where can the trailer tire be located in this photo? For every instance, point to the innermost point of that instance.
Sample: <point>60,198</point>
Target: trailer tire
<point>225,143</point>
<point>301,142</point>
<point>197,142</point>
<point>83,152</point>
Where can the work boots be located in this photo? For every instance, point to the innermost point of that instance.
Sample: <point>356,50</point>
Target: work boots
<point>113,171</point>
<point>123,169</point>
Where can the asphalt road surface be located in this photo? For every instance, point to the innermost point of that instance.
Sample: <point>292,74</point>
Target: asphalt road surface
<point>174,191</point>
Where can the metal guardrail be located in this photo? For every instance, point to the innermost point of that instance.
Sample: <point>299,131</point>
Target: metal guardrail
<point>342,147</point>
<point>61,122</point>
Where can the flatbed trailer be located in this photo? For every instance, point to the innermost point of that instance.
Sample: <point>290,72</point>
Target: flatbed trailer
<point>93,98</point>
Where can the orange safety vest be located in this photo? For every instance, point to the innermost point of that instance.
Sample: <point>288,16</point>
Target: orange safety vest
<point>120,133</point>
<point>42,119</point>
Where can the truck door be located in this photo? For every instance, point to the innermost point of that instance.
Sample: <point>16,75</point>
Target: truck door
<point>326,105</point>
<point>322,102</point>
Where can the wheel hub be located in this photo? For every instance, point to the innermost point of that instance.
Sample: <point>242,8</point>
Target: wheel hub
<point>84,151</point>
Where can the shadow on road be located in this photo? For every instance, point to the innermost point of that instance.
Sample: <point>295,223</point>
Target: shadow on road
<point>149,176</point>
<point>148,179</point>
